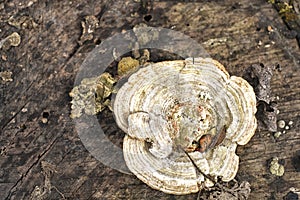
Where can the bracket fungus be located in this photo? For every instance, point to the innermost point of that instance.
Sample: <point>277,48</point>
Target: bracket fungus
<point>177,114</point>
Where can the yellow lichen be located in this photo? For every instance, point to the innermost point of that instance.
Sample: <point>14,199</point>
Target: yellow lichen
<point>284,7</point>
<point>126,65</point>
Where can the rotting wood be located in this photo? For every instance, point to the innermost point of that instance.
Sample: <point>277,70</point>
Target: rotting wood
<point>45,64</point>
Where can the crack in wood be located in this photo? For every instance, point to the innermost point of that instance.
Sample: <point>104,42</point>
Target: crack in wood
<point>40,156</point>
<point>13,117</point>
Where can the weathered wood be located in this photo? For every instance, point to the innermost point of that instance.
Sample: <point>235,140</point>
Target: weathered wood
<point>40,148</point>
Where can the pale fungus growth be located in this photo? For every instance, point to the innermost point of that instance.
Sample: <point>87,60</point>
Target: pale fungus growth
<point>181,114</point>
<point>89,25</point>
<point>5,77</point>
<point>277,134</point>
<point>22,22</point>
<point>13,40</point>
<point>276,168</point>
<point>281,124</point>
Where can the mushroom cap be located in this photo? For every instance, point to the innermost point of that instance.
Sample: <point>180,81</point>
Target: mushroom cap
<point>166,107</point>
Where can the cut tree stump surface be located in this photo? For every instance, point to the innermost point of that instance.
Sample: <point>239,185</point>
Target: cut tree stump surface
<point>41,154</point>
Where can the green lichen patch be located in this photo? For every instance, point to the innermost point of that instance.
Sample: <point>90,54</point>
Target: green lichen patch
<point>276,168</point>
<point>90,97</point>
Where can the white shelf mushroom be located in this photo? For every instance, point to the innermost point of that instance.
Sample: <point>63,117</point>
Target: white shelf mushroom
<point>189,106</point>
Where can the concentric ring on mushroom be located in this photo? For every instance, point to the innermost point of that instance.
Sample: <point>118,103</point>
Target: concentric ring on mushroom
<point>171,108</point>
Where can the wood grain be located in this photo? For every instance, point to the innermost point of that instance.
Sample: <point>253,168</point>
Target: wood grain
<point>45,65</point>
